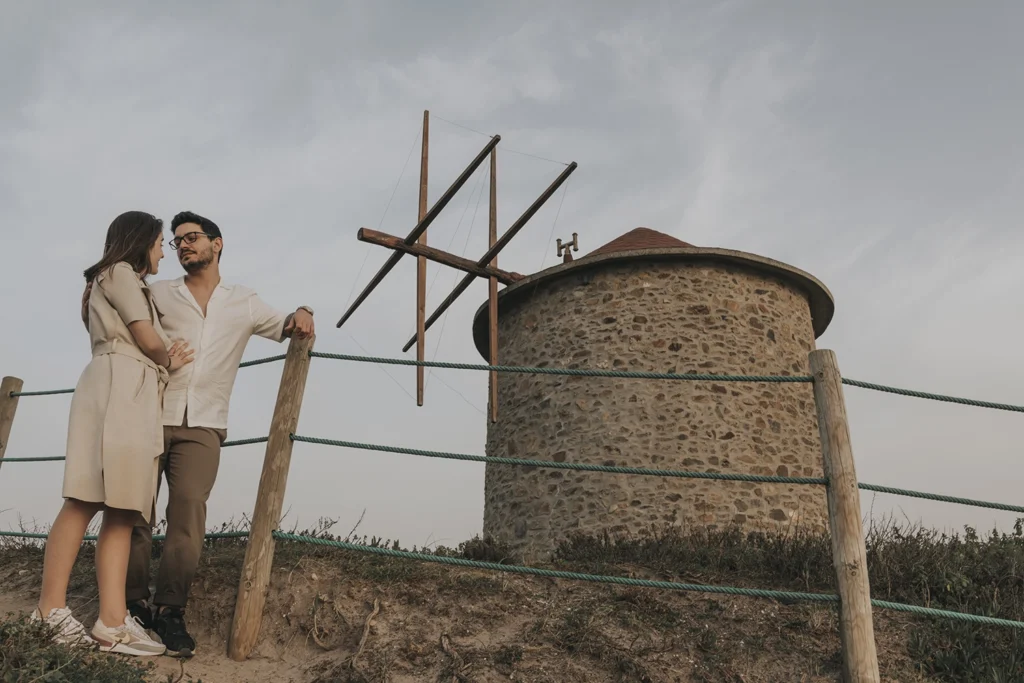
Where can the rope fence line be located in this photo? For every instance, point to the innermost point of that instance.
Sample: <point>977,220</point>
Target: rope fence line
<point>48,458</point>
<point>52,458</point>
<point>583,467</point>
<point>933,397</point>
<point>572,372</point>
<point>946,614</point>
<point>782,596</point>
<point>261,361</point>
<point>245,442</point>
<point>50,392</point>
<point>640,471</point>
<point>941,498</point>
<point>91,537</point>
<point>699,377</point>
<point>620,374</point>
<point>608,469</point>
<point>558,574</point>
<point>53,392</point>
<point>829,598</point>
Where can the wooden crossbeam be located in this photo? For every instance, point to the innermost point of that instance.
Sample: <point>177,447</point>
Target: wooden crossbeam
<point>437,256</point>
<point>496,248</point>
<point>435,210</point>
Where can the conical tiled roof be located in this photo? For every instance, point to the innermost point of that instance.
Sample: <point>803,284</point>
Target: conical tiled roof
<point>640,238</point>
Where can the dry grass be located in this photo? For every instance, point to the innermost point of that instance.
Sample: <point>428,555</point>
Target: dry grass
<point>910,564</point>
<point>449,624</point>
<point>27,654</point>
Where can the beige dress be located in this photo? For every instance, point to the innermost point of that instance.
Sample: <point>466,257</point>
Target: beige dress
<point>115,431</point>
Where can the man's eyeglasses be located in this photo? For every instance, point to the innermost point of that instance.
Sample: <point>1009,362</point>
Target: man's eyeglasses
<point>187,238</point>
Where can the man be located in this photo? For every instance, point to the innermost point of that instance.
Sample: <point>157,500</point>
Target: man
<point>217,319</point>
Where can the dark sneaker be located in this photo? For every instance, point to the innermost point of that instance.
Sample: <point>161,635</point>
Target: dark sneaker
<point>170,627</point>
<point>142,612</point>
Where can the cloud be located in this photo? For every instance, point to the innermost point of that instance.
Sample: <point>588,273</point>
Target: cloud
<point>854,145</point>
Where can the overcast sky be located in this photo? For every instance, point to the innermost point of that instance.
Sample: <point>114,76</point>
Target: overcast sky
<point>878,149</point>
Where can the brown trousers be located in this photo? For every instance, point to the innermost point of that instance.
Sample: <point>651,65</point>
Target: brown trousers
<point>190,462</point>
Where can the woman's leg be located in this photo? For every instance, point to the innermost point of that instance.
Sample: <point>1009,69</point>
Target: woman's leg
<point>62,545</point>
<point>112,550</point>
<point>114,631</point>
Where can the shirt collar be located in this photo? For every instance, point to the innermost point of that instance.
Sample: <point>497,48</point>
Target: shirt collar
<point>180,282</point>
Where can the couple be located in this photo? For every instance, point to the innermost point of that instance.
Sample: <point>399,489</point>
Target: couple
<point>144,407</point>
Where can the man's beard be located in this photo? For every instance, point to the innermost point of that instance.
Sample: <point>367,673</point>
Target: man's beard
<point>197,263</point>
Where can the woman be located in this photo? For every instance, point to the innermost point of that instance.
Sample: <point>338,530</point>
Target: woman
<point>115,436</point>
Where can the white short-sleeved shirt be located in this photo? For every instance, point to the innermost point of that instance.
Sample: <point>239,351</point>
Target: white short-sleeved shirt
<point>233,315</point>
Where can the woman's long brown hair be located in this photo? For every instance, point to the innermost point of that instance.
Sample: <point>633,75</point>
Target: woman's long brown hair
<point>129,238</point>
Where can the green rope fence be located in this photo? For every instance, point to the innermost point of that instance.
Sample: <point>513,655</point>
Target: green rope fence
<point>91,537</point>
<point>244,442</point>
<point>53,392</point>
<point>946,614</point>
<point>608,469</point>
<point>261,361</point>
<point>584,467</point>
<point>941,498</point>
<point>622,374</point>
<point>644,583</point>
<point>573,372</point>
<point>783,596</point>
<point>764,479</point>
<point>582,372</point>
<point>558,574</point>
<point>933,397</point>
<point>51,458</point>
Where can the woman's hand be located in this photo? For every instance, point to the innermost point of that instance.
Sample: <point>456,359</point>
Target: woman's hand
<point>180,355</point>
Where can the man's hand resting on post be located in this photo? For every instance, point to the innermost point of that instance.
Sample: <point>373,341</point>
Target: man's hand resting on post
<point>300,324</point>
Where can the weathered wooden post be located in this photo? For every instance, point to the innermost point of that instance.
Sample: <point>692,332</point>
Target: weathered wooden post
<point>849,554</point>
<point>259,553</point>
<point>8,406</point>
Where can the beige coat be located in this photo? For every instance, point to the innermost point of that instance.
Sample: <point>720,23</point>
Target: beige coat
<point>115,432</point>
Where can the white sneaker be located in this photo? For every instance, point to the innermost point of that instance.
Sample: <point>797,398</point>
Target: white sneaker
<point>70,631</point>
<point>128,638</point>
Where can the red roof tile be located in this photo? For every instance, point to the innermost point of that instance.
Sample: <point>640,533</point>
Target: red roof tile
<point>640,238</point>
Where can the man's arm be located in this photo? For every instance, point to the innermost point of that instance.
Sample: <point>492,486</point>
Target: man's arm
<point>272,324</point>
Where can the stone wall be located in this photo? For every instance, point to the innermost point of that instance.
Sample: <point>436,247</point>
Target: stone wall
<point>662,317</point>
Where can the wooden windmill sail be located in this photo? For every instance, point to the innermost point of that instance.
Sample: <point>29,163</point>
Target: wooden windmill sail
<point>486,266</point>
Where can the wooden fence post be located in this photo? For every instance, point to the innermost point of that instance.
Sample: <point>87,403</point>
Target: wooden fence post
<point>8,406</point>
<point>849,555</point>
<point>259,553</point>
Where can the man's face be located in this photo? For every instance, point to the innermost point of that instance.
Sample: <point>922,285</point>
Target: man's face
<point>195,248</point>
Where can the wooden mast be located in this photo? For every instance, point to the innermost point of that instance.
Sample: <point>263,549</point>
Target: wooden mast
<point>421,264</point>
<point>492,294</point>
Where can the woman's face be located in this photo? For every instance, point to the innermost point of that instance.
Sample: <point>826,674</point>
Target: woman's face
<point>156,253</point>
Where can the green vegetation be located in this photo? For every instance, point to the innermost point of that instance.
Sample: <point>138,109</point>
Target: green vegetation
<point>967,572</point>
<point>27,654</point>
<point>978,574</point>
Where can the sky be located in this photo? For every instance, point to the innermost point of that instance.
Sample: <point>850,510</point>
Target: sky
<point>876,147</point>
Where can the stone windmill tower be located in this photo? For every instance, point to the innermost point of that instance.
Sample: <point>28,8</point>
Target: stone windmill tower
<point>647,301</point>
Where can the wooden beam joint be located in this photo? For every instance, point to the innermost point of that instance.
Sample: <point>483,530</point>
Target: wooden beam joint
<point>493,251</point>
<point>438,256</point>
